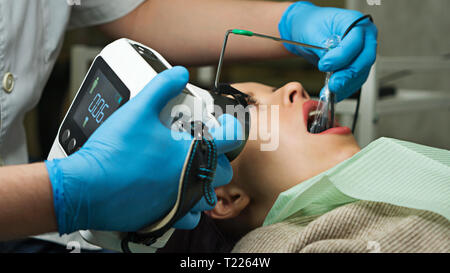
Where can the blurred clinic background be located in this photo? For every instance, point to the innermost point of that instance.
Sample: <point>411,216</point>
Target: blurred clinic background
<point>406,97</point>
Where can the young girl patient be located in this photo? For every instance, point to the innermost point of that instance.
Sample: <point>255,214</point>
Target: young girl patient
<point>322,193</point>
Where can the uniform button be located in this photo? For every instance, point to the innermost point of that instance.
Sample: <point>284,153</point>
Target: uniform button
<point>8,82</point>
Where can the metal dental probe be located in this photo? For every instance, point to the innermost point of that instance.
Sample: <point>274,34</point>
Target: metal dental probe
<point>321,123</point>
<point>325,119</point>
<point>250,34</point>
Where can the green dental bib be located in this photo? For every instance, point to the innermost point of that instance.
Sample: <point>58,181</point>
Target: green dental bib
<point>388,170</point>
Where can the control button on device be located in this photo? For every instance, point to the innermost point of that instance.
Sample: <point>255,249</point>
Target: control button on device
<point>65,135</point>
<point>8,82</point>
<point>72,144</point>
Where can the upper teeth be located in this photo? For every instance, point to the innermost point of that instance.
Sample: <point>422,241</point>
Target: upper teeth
<point>312,113</point>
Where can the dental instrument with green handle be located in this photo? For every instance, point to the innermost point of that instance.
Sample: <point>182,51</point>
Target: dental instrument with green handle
<point>253,34</point>
<point>324,114</point>
<point>326,104</point>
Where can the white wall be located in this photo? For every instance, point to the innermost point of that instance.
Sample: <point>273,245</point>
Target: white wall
<point>414,28</point>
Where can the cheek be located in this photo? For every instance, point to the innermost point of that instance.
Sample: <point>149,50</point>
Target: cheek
<point>268,173</point>
<point>260,173</point>
<point>297,150</point>
<point>293,159</point>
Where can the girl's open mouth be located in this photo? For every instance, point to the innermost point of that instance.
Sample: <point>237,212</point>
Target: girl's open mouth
<point>309,114</point>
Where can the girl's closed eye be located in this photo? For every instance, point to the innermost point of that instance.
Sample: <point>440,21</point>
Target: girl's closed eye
<point>252,100</point>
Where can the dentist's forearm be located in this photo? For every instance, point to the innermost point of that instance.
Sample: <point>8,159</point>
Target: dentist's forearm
<point>26,201</point>
<point>191,32</point>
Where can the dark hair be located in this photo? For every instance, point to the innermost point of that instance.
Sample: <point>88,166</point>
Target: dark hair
<point>205,238</point>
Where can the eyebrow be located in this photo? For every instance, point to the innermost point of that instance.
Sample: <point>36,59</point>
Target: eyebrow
<point>273,88</point>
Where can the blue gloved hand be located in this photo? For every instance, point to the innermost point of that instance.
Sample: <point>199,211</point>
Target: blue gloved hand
<point>351,60</point>
<point>126,175</point>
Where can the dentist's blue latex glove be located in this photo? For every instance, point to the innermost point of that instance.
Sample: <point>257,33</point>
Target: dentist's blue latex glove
<point>126,175</point>
<point>351,60</point>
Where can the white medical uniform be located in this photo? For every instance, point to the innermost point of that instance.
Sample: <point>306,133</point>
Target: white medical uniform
<point>31,36</point>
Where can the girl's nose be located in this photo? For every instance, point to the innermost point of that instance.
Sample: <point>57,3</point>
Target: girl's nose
<point>293,92</point>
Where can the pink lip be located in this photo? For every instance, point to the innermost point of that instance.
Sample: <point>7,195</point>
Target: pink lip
<point>309,106</point>
<point>337,131</point>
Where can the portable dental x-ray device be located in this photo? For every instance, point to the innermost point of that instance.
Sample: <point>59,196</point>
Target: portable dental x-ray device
<point>117,74</point>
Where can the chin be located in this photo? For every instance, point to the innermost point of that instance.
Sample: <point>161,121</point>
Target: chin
<point>346,149</point>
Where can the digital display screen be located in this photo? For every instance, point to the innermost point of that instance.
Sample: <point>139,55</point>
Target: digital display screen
<point>98,102</point>
<point>101,94</point>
